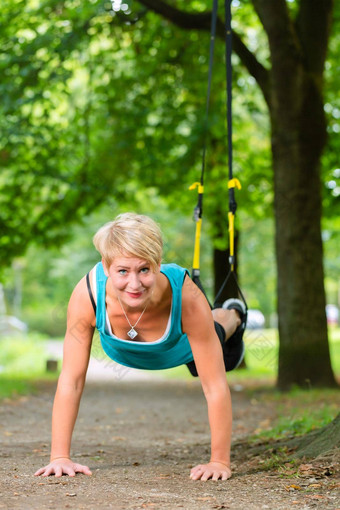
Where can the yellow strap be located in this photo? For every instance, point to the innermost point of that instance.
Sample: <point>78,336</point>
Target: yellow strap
<point>196,259</point>
<point>231,218</point>
<point>197,185</point>
<point>234,183</point>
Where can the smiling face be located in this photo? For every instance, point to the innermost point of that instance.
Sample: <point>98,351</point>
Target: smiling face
<point>133,280</point>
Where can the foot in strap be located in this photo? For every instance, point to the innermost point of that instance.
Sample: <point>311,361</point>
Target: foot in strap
<point>235,344</point>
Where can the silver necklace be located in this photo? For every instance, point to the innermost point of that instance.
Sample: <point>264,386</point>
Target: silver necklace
<point>132,333</point>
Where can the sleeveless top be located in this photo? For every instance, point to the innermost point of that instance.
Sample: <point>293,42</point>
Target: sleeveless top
<point>171,350</point>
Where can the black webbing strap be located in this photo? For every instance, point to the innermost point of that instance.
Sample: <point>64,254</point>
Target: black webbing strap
<point>199,207</point>
<point>90,292</point>
<point>231,274</point>
<point>198,210</point>
<point>211,62</point>
<point>228,52</point>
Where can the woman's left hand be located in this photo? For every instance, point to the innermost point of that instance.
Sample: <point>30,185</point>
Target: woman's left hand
<point>212,470</point>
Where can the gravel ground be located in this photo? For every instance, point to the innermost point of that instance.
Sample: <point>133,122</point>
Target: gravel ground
<point>140,438</point>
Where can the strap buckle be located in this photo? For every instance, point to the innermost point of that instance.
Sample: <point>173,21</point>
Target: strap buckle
<point>197,185</point>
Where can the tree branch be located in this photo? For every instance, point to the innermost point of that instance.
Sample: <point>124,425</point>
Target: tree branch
<point>183,19</point>
<point>280,29</point>
<point>202,21</point>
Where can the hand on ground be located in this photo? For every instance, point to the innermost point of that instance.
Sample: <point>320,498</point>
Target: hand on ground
<point>61,467</point>
<point>212,470</point>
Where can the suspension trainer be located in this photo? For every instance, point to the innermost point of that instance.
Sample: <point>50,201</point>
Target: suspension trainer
<point>233,181</point>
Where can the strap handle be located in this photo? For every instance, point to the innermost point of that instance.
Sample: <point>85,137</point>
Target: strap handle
<point>198,220</point>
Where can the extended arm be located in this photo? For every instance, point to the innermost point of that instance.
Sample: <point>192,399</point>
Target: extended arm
<point>77,346</point>
<point>199,325</point>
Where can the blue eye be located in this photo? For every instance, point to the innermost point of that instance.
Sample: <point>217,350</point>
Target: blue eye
<point>145,270</point>
<point>122,272</point>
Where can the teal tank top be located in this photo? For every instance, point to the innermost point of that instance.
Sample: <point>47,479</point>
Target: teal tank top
<point>171,350</point>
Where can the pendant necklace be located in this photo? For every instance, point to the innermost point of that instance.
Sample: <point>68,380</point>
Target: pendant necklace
<point>132,333</point>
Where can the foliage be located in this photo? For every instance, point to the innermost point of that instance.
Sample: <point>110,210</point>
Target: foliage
<point>330,160</point>
<point>257,263</point>
<point>125,91</point>
<point>330,165</point>
<point>47,178</point>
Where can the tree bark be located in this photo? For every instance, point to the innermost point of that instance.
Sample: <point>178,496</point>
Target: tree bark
<point>304,353</point>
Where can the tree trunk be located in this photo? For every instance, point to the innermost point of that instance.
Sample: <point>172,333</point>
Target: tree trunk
<point>298,138</point>
<point>304,353</point>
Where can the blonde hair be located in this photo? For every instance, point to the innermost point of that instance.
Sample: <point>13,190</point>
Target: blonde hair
<point>130,234</point>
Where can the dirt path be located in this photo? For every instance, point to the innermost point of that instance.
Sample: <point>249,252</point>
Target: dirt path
<point>140,438</point>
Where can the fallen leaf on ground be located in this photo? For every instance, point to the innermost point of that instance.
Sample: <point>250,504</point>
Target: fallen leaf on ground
<point>295,487</point>
<point>306,467</point>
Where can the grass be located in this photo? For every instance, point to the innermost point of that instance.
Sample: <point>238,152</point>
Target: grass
<point>22,363</point>
<point>299,412</point>
<point>334,347</point>
<point>14,385</point>
<point>301,422</point>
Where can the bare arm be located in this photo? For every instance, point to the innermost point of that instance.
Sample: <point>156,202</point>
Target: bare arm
<point>77,347</point>
<point>199,325</point>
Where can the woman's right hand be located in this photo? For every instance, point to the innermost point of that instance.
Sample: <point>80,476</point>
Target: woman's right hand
<point>62,466</point>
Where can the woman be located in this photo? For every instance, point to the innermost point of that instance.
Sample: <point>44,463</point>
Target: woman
<point>149,316</point>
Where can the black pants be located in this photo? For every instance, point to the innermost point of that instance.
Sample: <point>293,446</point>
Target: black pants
<point>232,351</point>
